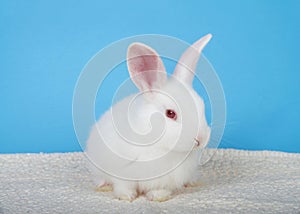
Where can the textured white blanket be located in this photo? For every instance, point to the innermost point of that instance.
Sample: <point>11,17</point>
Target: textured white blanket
<point>232,181</point>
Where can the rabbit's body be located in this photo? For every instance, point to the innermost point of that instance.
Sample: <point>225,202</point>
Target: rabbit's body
<point>145,144</point>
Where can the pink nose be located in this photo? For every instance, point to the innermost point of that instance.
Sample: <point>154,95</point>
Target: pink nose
<point>204,139</point>
<point>198,143</point>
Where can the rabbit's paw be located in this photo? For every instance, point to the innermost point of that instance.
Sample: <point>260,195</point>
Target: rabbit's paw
<point>126,194</point>
<point>104,188</point>
<point>159,195</point>
<point>127,197</point>
<point>193,184</point>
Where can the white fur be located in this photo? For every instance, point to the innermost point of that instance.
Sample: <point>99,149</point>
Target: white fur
<point>115,162</point>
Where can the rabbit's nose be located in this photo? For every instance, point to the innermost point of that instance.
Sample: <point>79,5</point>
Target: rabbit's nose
<point>197,142</point>
<point>203,139</point>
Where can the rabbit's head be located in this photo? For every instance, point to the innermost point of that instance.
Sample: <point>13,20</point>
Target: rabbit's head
<point>184,125</point>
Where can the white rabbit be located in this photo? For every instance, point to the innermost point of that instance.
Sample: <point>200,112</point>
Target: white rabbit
<point>146,143</point>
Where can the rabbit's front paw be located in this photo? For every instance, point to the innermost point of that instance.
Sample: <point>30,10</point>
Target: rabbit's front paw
<point>127,197</point>
<point>104,188</point>
<point>193,184</point>
<point>126,194</point>
<point>160,195</point>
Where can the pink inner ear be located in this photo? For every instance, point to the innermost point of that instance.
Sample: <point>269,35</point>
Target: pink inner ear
<point>140,64</point>
<point>145,67</point>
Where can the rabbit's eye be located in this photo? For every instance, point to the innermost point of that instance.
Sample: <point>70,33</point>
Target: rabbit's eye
<point>171,114</point>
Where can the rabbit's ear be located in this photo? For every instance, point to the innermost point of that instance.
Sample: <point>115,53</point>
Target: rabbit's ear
<point>185,68</point>
<point>145,67</point>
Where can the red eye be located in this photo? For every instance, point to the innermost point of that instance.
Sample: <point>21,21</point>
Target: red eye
<point>171,114</point>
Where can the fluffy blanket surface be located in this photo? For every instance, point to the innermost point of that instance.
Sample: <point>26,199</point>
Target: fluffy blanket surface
<point>232,181</point>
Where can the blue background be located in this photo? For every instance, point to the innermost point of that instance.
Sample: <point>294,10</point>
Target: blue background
<point>45,44</point>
